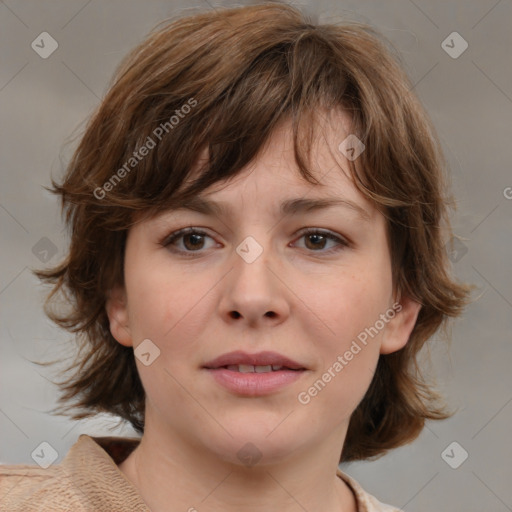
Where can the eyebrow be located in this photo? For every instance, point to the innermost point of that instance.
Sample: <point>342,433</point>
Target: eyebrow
<point>288,207</point>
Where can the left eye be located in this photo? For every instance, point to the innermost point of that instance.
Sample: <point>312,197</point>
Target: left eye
<point>193,240</point>
<point>319,239</point>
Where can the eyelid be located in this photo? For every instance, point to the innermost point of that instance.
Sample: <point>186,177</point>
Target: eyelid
<point>342,241</point>
<point>327,233</point>
<point>183,231</point>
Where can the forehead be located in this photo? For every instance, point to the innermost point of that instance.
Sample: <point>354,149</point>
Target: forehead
<point>272,181</point>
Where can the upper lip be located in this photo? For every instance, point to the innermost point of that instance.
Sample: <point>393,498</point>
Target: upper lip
<point>260,359</point>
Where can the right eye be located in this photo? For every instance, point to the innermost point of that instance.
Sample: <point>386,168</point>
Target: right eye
<point>193,240</point>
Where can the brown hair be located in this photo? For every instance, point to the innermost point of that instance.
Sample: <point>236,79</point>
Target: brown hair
<point>241,71</point>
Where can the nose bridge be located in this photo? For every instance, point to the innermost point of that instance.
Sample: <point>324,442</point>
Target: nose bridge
<point>254,289</point>
<point>254,235</point>
<point>253,259</point>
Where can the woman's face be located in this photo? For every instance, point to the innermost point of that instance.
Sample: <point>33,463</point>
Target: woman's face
<point>253,281</point>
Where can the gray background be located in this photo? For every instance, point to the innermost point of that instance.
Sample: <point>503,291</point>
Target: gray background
<point>44,102</point>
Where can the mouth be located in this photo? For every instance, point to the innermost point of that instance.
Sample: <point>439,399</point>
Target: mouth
<point>261,362</point>
<point>250,368</point>
<point>254,374</point>
<point>254,383</point>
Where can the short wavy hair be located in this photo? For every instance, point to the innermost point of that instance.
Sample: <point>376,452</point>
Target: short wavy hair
<point>239,72</point>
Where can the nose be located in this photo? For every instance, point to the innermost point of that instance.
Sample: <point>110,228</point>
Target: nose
<point>254,292</point>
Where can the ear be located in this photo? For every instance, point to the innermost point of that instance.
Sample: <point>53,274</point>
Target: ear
<point>117,311</point>
<point>400,326</point>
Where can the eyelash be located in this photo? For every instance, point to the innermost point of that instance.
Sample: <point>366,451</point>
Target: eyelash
<point>169,240</point>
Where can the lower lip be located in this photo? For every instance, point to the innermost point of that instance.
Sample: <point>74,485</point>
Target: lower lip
<point>254,384</point>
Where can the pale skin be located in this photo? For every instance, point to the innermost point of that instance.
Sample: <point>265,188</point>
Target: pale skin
<point>301,297</point>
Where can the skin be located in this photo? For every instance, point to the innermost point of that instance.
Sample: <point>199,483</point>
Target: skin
<point>321,301</point>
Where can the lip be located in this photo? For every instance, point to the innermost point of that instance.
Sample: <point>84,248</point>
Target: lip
<point>258,359</point>
<point>254,384</point>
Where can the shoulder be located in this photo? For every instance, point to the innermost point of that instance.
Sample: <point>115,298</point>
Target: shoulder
<point>87,479</point>
<point>31,488</point>
<point>365,501</point>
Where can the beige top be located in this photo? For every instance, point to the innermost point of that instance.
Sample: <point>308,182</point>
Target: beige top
<point>88,479</point>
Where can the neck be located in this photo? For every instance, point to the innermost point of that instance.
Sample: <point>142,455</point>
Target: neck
<point>172,474</point>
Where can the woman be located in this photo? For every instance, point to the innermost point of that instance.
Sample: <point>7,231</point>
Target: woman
<point>258,227</point>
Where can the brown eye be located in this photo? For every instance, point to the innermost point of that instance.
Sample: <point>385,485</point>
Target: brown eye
<point>193,240</point>
<point>188,241</point>
<point>317,240</point>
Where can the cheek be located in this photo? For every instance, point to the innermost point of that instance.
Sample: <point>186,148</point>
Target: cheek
<point>149,305</point>
<point>347,359</point>
<point>160,310</point>
<point>164,307</point>
<point>353,304</point>
<point>348,350</point>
